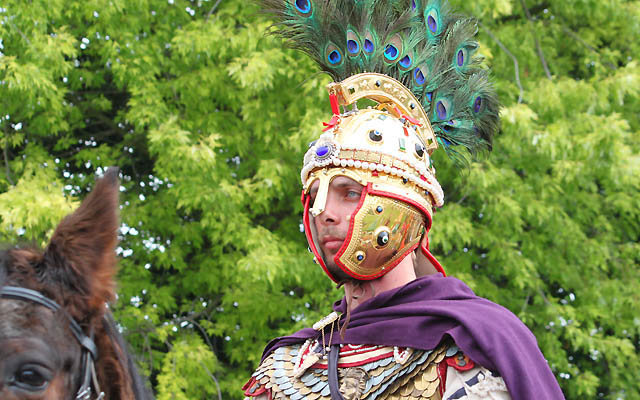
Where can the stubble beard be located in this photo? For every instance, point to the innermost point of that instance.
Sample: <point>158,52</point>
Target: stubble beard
<point>329,261</point>
<point>335,270</point>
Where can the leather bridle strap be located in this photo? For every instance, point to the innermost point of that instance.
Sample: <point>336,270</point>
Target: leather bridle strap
<point>18,293</point>
<point>90,351</point>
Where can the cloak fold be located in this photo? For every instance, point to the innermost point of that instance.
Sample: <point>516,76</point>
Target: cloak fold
<point>420,315</point>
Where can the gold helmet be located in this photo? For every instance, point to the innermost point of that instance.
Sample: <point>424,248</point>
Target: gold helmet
<point>427,87</point>
<point>387,150</point>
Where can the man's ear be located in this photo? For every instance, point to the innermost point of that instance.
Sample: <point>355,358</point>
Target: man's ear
<point>421,264</point>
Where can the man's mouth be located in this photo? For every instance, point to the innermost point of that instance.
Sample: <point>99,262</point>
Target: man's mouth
<point>332,243</point>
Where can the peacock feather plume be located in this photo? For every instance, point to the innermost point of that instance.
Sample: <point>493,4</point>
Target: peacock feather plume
<point>421,43</point>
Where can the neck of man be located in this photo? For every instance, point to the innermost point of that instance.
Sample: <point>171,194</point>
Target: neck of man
<point>358,292</point>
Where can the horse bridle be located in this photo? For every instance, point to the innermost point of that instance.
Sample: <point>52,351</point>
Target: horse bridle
<point>89,349</point>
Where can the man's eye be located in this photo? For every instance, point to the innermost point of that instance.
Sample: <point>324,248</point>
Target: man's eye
<point>353,194</point>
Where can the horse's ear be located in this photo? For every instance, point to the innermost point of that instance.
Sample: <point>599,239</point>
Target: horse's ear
<point>81,254</point>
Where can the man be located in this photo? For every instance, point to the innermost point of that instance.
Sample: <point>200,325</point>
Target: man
<point>403,329</point>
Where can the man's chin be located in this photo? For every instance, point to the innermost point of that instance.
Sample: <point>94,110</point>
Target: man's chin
<point>335,270</point>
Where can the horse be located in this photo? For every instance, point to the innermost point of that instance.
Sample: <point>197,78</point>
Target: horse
<point>58,339</point>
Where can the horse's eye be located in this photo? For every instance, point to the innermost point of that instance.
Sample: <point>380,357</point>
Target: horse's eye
<point>30,378</point>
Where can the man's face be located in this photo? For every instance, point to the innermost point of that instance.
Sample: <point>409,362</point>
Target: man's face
<point>332,224</point>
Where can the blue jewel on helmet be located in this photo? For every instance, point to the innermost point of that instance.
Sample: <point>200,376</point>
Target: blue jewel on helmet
<point>322,151</point>
<point>391,52</point>
<point>383,238</point>
<point>375,135</point>
<point>405,62</point>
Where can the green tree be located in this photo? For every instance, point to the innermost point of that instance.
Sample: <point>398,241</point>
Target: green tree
<point>208,119</point>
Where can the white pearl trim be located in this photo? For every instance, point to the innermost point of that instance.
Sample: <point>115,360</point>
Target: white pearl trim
<point>431,185</point>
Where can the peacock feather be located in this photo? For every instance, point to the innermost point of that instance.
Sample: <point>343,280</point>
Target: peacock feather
<point>421,43</point>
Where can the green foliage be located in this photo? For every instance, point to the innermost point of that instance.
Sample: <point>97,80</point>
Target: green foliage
<point>208,119</point>
<point>181,375</point>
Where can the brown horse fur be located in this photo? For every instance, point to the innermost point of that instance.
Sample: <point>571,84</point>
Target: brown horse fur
<point>77,270</point>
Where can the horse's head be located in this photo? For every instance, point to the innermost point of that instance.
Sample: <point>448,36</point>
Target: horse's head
<point>45,352</point>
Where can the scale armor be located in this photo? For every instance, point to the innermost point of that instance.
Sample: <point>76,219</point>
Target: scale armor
<point>374,372</point>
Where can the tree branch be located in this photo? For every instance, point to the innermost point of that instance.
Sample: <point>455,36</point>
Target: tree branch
<point>546,301</point>
<point>26,39</point>
<point>200,328</point>
<point>585,44</point>
<point>212,10</point>
<point>213,378</point>
<point>147,347</point>
<point>536,9</point>
<point>515,60</point>
<point>537,41</point>
<point>203,367</point>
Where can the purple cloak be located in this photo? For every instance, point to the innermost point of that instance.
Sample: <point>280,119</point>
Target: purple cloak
<point>422,312</point>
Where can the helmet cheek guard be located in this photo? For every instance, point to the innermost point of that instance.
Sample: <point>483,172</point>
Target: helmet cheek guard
<point>310,232</point>
<point>383,229</point>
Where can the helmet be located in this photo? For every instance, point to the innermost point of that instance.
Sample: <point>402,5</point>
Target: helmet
<point>387,150</point>
<point>416,61</point>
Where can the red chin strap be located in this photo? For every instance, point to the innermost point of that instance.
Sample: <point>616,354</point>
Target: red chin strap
<point>306,201</point>
<point>430,257</point>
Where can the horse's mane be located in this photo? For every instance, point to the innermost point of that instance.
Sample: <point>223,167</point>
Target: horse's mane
<point>125,359</point>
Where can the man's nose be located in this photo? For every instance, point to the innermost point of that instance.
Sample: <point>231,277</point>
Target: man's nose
<point>329,216</point>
